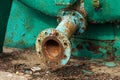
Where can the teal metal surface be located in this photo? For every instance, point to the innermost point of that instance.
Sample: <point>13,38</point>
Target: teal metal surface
<point>25,24</point>
<point>65,2</point>
<point>49,7</point>
<point>106,46</point>
<point>100,40</point>
<point>107,10</point>
<point>98,32</point>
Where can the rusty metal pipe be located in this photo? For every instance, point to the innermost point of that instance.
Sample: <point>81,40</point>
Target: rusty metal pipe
<point>71,21</point>
<point>53,44</point>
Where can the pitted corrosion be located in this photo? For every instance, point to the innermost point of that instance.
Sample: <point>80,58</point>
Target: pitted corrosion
<point>70,29</point>
<point>70,21</point>
<point>104,49</point>
<point>52,46</point>
<point>55,45</point>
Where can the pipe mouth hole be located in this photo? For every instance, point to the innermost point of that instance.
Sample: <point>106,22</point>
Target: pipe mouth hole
<point>53,48</point>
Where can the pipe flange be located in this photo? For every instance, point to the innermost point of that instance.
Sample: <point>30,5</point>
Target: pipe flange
<point>77,18</point>
<point>54,47</point>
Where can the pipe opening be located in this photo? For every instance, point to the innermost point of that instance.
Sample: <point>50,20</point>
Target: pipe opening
<point>53,48</point>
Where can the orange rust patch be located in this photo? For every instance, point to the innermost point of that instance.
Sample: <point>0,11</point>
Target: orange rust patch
<point>70,28</point>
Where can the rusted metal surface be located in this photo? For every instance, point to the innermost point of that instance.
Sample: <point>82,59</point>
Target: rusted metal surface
<point>54,45</point>
<point>70,22</point>
<point>103,49</point>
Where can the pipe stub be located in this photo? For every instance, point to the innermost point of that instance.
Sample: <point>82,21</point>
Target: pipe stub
<point>54,47</point>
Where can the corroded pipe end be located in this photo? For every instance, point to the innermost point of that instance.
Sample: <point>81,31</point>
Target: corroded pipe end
<point>54,47</point>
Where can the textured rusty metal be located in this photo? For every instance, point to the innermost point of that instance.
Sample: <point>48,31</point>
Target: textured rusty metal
<point>54,44</point>
<point>102,49</point>
<point>70,22</point>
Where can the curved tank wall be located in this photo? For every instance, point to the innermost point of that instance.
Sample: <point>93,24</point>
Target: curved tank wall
<point>49,7</point>
<point>25,24</point>
<point>108,10</point>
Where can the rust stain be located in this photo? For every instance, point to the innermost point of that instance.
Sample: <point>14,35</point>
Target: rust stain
<point>79,6</point>
<point>93,47</point>
<point>79,46</point>
<point>69,28</point>
<point>73,50</point>
<point>110,56</point>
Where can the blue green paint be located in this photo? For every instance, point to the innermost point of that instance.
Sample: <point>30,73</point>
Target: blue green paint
<point>28,18</point>
<point>98,32</point>
<point>48,7</point>
<point>108,11</point>
<point>25,24</point>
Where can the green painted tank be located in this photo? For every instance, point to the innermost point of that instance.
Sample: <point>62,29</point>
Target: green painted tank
<point>101,39</point>
<point>49,7</point>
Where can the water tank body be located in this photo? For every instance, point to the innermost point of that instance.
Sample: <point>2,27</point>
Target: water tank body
<point>49,7</point>
<point>99,39</point>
